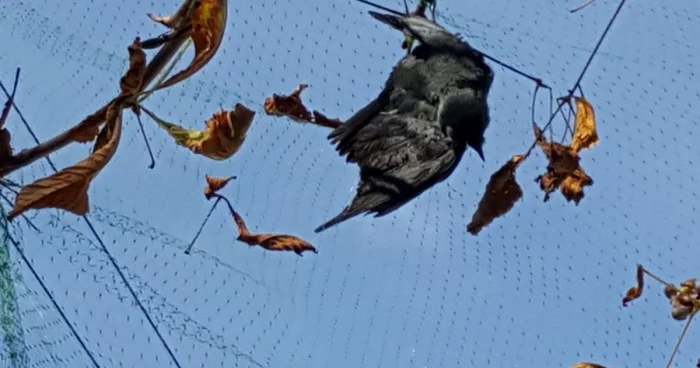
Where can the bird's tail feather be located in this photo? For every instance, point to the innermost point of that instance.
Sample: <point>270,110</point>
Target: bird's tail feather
<point>359,205</point>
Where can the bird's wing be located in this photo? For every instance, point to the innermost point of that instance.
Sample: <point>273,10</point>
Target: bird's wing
<point>409,76</point>
<point>403,152</point>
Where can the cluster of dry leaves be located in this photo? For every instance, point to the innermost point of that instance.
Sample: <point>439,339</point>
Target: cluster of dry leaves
<point>684,300</point>
<point>563,170</point>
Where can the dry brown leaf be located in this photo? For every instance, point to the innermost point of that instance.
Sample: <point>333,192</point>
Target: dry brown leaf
<point>224,134</point>
<point>67,189</point>
<point>208,26</point>
<point>272,242</point>
<point>502,191</point>
<point>290,106</point>
<point>685,300</point>
<point>324,121</point>
<point>130,83</point>
<point>587,365</point>
<point>215,184</point>
<point>563,170</point>
<point>636,291</point>
<point>585,134</point>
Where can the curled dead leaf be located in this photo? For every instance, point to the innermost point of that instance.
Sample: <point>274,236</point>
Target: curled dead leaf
<point>585,133</point>
<point>224,134</point>
<point>502,191</point>
<point>130,83</point>
<point>271,242</point>
<point>67,189</point>
<point>215,184</point>
<point>290,105</point>
<point>208,23</point>
<point>636,291</point>
<point>587,365</point>
<point>563,171</point>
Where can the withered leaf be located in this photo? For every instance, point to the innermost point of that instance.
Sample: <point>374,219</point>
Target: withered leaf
<point>324,121</point>
<point>215,184</point>
<point>684,301</point>
<point>272,242</point>
<point>636,291</point>
<point>224,134</point>
<point>585,133</point>
<point>587,365</point>
<point>563,170</point>
<point>208,25</point>
<point>130,82</point>
<point>67,189</point>
<point>502,191</point>
<point>290,106</point>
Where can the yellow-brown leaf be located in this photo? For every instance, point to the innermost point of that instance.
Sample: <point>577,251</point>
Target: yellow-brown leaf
<point>67,189</point>
<point>585,133</point>
<point>224,134</point>
<point>208,26</point>
<point>502,191</point>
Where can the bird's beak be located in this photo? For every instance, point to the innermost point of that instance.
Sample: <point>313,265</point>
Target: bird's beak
<point>388,10</point>
<point>480,151</point>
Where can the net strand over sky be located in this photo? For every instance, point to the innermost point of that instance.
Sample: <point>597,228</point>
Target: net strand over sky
<point>409,289</point>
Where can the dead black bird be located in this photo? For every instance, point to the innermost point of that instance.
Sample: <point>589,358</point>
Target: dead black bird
<point>413,135</point>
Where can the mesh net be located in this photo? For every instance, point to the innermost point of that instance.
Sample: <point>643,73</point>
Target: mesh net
<point>539,287</point>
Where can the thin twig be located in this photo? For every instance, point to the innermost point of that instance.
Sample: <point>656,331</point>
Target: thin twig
<point>588,2</point>
<point>10,101</point>
<point>201,227</point>
<point>657,278</point>
<point>145,139</point>
<point>680,339</point>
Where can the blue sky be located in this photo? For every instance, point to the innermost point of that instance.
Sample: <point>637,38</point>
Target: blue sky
<point>539,287</point>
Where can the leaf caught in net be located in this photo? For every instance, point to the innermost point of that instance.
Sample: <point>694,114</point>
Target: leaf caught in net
<point>587,365</point>
<point>563,170</point>
<point>636,291</point>
<point>290,105</point>
<point>685,301</point>
<point>215,184</point>
<point>67,189</point>
<point>224,134</point>
<point>585,134</point>
<point>502,191</point>
<point>271,242</point>
<point>208,24</point>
